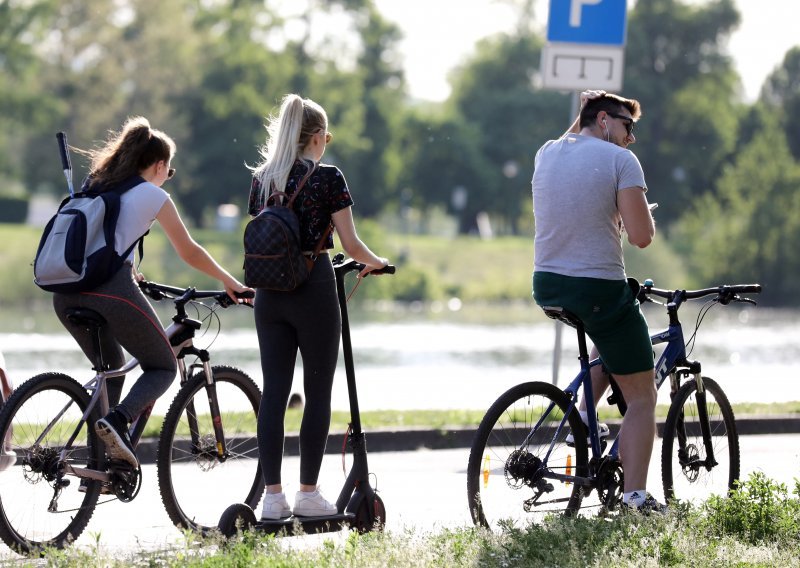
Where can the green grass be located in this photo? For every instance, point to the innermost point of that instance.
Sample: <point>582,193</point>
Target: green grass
<point>758,526</point>
<point>429,267</point>
<point>443,419</point>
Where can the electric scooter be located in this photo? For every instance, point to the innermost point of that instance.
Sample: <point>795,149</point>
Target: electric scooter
<point>358,505</point>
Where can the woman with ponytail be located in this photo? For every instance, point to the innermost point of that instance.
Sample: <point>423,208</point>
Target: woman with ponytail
<point>306,319</point>
<point>138,157</point>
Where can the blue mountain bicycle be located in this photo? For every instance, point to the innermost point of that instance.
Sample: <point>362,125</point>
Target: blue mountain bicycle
<point>522,466</point>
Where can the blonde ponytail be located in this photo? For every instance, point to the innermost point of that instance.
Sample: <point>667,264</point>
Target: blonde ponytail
<point>288,134</point>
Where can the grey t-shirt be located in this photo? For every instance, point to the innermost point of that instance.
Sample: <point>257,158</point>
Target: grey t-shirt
<point>578,226</point>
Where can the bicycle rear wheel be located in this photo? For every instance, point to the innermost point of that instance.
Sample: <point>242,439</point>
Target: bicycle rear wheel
<point>196,485</point>
<point>507,468</point>
<point>685,468</point>
<point>27,523</point>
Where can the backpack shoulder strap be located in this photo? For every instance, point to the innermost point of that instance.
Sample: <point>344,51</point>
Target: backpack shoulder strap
<point>300,187</point>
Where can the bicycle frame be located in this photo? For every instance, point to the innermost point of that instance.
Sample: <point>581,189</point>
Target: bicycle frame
<point>672,359</point>
<point>180,333</point>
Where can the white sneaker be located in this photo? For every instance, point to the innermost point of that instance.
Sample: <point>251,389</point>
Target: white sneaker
<point>312,504</point>
<point>275,507</point>
<point>602,432</point>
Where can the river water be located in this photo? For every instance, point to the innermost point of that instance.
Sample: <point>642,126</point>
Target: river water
<point>461,359</point>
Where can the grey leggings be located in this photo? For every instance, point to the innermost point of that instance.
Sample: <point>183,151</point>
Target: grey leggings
<point>308,320</point>
<point>132,325</point>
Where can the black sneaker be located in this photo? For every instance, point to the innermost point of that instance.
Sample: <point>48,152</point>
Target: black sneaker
<point>649,507</point>
<point>113,431</point>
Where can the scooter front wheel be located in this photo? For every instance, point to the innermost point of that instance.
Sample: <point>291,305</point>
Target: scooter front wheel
<point>238,517</point>
<point>370,515</point>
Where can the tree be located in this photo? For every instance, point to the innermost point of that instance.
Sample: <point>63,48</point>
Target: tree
<point>442,165</point>
<point>495,93</point>
<point>748,228</point>
<point>781,92</point>
<point>675,65</point>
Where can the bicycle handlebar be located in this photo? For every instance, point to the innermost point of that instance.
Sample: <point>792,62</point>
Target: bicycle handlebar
<point>158,292</point>
<point>726,293</point>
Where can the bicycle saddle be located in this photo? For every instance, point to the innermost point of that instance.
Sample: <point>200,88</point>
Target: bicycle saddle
<point>85,317</point>
<point>560,314</point>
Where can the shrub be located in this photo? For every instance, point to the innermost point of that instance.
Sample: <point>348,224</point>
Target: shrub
<point>13,209</point>
<point>760,509</point>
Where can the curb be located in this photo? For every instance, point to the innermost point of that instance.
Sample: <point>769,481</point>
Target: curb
<point>454,438</point>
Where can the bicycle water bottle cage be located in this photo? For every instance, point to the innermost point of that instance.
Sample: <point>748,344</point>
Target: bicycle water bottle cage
<point>562,315</point>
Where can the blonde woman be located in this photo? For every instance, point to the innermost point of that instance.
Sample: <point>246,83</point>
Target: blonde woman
<point>306,320</point>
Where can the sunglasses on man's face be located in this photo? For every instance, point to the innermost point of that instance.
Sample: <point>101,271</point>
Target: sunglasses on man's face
<point>627,120</point>
<point>170,173</point>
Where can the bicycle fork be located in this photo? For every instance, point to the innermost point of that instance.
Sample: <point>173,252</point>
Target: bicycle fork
<point>687,456</point>
<point>222,453</point>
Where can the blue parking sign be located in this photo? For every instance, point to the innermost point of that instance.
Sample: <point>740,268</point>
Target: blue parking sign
<point>587,21</point>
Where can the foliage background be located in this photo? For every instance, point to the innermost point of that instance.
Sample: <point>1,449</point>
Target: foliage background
<point>208,72</point>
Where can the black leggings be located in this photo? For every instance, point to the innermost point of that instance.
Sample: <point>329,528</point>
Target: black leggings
<point>307,319</point>
<point>132,325</point>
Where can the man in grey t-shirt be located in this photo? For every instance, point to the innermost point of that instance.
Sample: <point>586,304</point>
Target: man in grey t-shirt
<point>589,189</point>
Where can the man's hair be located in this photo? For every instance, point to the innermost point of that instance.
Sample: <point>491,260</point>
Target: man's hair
<point>609,103</point>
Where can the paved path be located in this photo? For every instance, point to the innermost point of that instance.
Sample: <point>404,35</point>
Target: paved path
<point>424,490</point>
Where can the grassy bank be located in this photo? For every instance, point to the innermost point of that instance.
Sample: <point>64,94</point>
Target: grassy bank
<point>443,419</point>
<point>757,526</point>
<point>430,267</point>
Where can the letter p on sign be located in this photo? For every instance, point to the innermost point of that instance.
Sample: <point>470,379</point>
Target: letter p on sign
<point>576,11</point>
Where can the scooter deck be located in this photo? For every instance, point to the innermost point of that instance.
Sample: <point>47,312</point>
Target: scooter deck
<point>306,525</point>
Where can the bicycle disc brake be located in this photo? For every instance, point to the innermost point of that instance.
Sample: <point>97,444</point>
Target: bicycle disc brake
<point>126,482</point>
<point>205,452</point>
<point>610,484</point>
<point>690,462</point>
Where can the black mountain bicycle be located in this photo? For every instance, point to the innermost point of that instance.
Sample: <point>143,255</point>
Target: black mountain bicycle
<point>522,466</point>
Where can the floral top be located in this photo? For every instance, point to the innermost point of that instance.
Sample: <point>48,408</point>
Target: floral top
<point>323,194</point>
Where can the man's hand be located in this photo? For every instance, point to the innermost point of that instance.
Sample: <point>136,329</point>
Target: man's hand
<point>589,95</point>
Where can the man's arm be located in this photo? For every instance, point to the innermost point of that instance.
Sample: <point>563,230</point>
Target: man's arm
<point>636,217</point>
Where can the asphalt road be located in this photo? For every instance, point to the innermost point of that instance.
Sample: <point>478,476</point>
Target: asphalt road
<point>423,490</point>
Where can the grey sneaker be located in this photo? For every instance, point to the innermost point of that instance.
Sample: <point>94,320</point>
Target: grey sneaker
<point>312,504</point>
<point>275,507</point>
<point>602,432</point>
<point>113,431</point>
<point>649,507</point>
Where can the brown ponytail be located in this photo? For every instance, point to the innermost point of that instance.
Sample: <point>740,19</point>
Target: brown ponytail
<point>128,152</point>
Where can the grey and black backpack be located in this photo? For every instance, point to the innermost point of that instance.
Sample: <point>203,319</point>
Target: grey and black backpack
<point>77,250</point>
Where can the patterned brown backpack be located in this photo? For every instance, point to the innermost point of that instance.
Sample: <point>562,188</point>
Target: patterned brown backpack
<point>273,255</point>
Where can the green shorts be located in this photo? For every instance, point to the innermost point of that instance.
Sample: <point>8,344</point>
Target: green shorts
<point>610,315</point>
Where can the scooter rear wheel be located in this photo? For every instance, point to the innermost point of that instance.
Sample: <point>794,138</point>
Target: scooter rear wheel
<point>238,517</point>
<point>370,515</point>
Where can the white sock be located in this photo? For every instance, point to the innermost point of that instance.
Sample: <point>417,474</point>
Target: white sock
<point>584,416</point>
<point>635,498</point>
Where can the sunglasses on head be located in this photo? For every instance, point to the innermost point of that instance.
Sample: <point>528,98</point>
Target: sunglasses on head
<point>625,119</point>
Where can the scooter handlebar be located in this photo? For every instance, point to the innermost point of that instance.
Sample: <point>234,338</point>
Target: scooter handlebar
<point>340,264</point>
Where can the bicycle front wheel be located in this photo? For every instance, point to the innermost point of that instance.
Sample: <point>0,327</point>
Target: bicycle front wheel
<point>196,484</point>
<point>512,461</point>
<point>33,513</point>
<point>694,466</point>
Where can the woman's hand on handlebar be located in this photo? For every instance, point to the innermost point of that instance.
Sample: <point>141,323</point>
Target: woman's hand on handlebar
<point>369,267</point>
<point>234,287</point>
